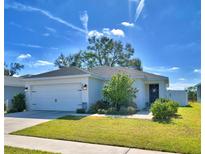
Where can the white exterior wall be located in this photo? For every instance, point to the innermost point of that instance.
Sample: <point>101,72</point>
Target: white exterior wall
<point>95,87</point>
<point>179,96</point>
<point>162,89</point>
<point>141,94</point>
<point>55,81</point>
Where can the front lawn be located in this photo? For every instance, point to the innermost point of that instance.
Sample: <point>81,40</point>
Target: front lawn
<point>182,134</point>
<point>14,150</point>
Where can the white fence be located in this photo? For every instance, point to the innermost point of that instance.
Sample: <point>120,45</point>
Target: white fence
<point>179,96</point>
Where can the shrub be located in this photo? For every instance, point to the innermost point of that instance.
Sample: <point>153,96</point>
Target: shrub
<point>112,110</point>
<point>18,103</point>
<point>119,90</point>
<point>163,109</point>
<point>80,111</point>
<point>101,104</point>
<point>127,110</point>
<point>131,110</point>
<point>102,111</point>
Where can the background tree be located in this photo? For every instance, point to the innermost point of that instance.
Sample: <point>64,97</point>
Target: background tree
<point>101,51</point>
<point>119,90</point>
<point>106,52</point>
<point>13,69</point>
<point>192,93</point>
<point>135,63</point>
<point>71,60</point>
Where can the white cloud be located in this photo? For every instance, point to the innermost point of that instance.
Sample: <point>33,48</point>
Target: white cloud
<point>33,46</point>
<point>42,63</point>
<point>50,29</point>
<point>46,34</point>
<point>26,45</point>
<point>173,68</point>
<point>21,27</point>
<point>182,79</point>
<point>106,32</point>
<point>94,33</point>
<point>24,56</point>
<point>161,69</point>
<point>197,71</point>
<point>84,19</point>
<point>127,24</point>
<point>118,32</point>
<point>180,86</point>
<point>22,7</point>
<point>15,24</point>
<point>139,9</point>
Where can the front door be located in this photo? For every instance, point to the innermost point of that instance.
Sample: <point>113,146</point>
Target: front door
<point>153,92</point>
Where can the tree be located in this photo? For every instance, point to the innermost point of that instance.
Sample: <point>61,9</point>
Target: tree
<point>119,90</point>
<point>13,69</point>
<point>135,63</point>
<point>192,93</point>
<point>104,51</point>
<point>71,60</point>
<point>101,51</point>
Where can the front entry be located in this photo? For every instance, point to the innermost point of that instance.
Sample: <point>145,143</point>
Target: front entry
<point>153,92</point>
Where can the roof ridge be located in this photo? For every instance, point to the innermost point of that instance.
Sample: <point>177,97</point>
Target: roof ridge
<point>81,69</point>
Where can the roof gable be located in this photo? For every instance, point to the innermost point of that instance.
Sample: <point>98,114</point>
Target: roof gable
<point>108,72</point>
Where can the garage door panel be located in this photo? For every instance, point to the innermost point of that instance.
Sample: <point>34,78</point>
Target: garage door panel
<point>66,97</point>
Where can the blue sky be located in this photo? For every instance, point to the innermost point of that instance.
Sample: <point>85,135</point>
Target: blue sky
<point>164,33</point>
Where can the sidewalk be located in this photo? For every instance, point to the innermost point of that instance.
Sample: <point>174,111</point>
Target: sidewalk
<point>69,147</point>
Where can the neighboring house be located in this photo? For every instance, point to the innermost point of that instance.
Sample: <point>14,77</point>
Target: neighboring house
<point>198,92</point>
<point>12,86</point>
<point>70,88</point>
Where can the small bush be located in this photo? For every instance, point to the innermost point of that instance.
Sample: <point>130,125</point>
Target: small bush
<point>131,110</point>
<point>112,110</point>
<point>18,103</point>
<point>102,111</point>
<point>101,104</point>
<point>127,110</point>
<point>163,109</point>
<point>80,111</point>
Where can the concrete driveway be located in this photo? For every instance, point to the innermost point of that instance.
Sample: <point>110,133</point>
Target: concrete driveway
<point>21,120</point>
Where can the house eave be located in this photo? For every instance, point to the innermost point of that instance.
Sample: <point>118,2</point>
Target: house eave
<point>62,77</point>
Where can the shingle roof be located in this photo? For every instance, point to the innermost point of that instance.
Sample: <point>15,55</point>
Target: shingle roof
<point>104,72</point>
<point>107,72</point>
<point>65,71</point>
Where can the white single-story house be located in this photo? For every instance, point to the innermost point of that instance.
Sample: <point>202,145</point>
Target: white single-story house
<point>12,86</point>
<point>70,88</point>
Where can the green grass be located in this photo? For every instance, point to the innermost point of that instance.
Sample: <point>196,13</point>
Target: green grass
<point>182,134</point>
<point>14,150</point>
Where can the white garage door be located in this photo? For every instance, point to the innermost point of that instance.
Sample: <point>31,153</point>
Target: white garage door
<point>65,97</point>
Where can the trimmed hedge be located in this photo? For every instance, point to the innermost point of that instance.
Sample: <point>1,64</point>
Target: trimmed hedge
<point>163,109</point>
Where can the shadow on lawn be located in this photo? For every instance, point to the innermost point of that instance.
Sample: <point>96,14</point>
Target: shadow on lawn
<point>169,120</point>
<point>70,117</point>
